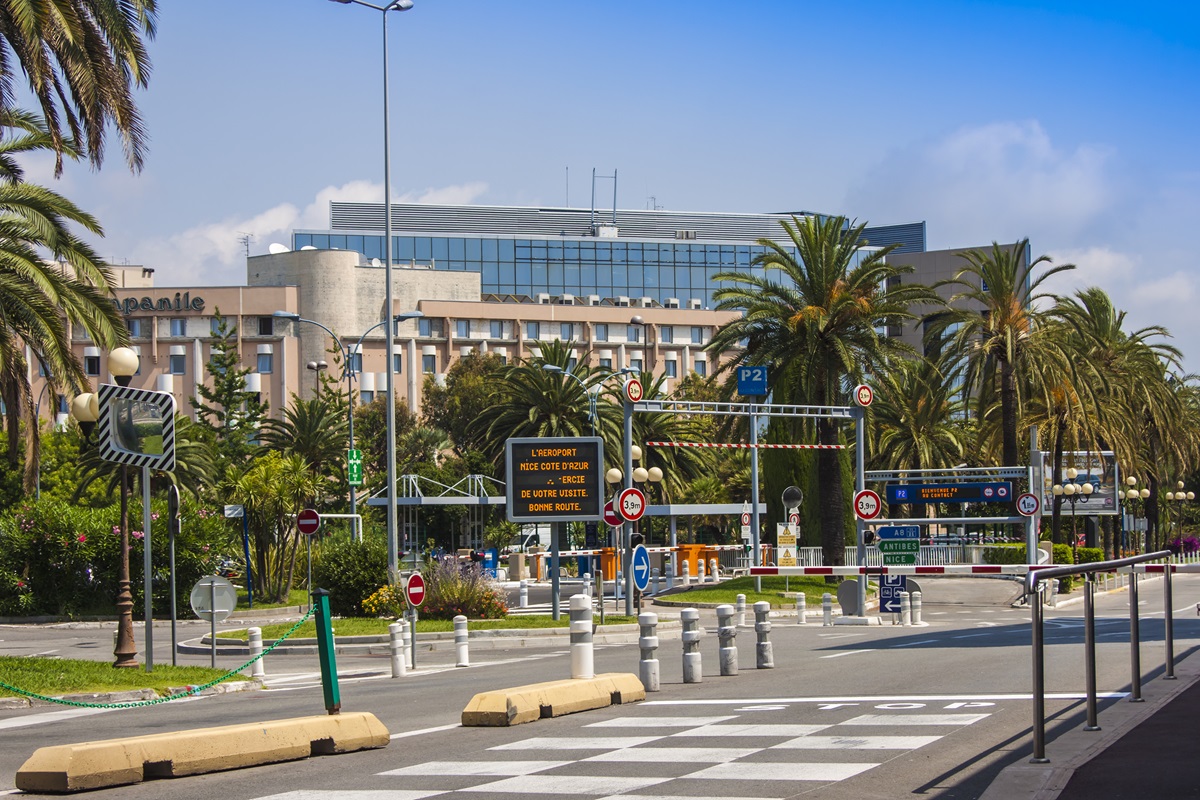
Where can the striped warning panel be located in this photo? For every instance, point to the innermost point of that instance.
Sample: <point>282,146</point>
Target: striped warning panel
<point>136,427</point>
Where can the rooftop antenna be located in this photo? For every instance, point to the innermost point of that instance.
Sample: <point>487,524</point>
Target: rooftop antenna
<point>245,239</point>
<point>653,203</point>
<point>614,205</point>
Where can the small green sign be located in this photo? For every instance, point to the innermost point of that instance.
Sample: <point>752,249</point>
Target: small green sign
<point>354,468</point>
<point>899,546</point>
<point>899,559</point>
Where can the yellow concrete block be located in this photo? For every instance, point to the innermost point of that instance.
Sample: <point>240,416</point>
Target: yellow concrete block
<point>521,704</point>
<point>115,762</point>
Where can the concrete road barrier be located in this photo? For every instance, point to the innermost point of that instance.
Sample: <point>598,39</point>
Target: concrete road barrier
<point>504,707</point>
<point>118,762</point>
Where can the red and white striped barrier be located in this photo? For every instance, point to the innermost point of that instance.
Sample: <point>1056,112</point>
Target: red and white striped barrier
<point>739,446</point>
<point>1159,568</point>
<point>952,569</point>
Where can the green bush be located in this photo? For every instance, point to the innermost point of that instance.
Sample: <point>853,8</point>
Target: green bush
<point>1064,555</point>
<point>1004,554</point>
<point>1089,555</point>
<point>452,589</point>
<point>350,571</point>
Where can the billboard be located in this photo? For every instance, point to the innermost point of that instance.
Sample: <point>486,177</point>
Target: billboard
<point>1098,468</point>
<point>555,479</point>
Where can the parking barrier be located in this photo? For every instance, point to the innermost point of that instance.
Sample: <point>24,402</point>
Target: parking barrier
<point>726,636</point>
<point>462,657</point>
<point>764,658</point>
<point>582,657</point>
<point>827,609</point>
<point>740,605</point>
<point>396,650</point>
<point>690,618</point>
<point>648,642</point>
<point>254,638</point>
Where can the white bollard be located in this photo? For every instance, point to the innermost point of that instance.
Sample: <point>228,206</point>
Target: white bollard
<point>1054,592</point>
<point>700,570</point>
<point>713,572</point>
<point>916,608</point>
<point>524,601</point>
<point>670,576</point>
<point>648,642</point>
<point>764,658</point>
<point>801,610</point>
<point>740,606</point>
<point>396,650</point>
<point>685,575</point>
<point>406,632</point>
<point>727,635</point>
<point>462,657</point>
<point>582,657</point>
<point>258,669</point>
<point>654,576</point>
<point>692,672</point>
<point>827,608</point>
<point>619,587</point>
<point>587,584</point>
<point>905,610</point>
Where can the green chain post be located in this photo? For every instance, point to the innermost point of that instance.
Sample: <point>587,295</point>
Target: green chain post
<point>329,682</point>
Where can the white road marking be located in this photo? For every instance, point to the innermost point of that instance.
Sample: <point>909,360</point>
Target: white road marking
<point>578,743</point>
<point>356,794</point>
<point>781,772</point>
<point>50,716</point>
<point>915,719</point>
<point>476,768</point>
<point>856,743</point>
<point>675,755</point>
<point>565,784</point>
<point>849,653</point>
<point>971,635</point>
<point>928,698</point>
<point>752,730</point>
<point>423,731</point>
<point>658,722</point>
<point>676,797</point>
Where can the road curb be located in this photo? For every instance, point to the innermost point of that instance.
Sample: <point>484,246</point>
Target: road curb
<point>119,762</point>
<point>504,707</point>
<point>130,696</point>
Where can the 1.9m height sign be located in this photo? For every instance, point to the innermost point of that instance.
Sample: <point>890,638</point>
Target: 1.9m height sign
<point>555,480</point>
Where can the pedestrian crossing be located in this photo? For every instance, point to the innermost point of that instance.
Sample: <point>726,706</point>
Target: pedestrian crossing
<point>650,755</point>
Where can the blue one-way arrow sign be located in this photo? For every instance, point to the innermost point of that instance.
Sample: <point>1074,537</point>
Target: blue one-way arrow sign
<point>640,564</point>
<point>899,532</point>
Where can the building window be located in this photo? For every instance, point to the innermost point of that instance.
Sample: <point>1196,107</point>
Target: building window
<point>701,368</point>
<point>42,371</point>
<point>214,326</point>
<point>266,326</point>
<point>672,369</point>
<point>397,362</point>
<point>366,397</point>
<point>430,327</point>
<point>179,327</point>
<point>354,364</point>
<point>606,363</point>
<point>264,363</point>
<point>571,364</point>
<point>91,365</point>
<point>135,326</point>
<point>533,330</point>
<point>697,334</point>
<point>566,331</point>
<point>500,329</point>
<point>666,334</point>
<point>64,405</point>
<point>633,333</point>
<point>635,364</point>
<point>462,328</point>
<point>178,365</point>
<point>600,332</point>
<point>428,364</point>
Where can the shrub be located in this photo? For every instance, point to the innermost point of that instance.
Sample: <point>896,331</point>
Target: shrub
<point>1088,555</point>
<point>350,571</point>
<point>1063,555</point>
<point>1005,554</point>
<point>452,590</point>
<point>1179,545</point>
<point>387,601</point>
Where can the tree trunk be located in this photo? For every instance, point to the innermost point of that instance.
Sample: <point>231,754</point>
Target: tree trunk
<point>1008,410</point>
<point>833,504</point>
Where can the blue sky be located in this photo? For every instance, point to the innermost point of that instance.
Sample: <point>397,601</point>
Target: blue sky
<point>1071,123</point>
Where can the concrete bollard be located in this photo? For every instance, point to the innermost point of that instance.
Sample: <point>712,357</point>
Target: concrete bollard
<point>654,581</point>
<point>648,642</point>
<point>714,572</point>
<point>258,669</point>
<point>801,610</point>
<point>670,576</point>
<point>740,606</point>
<point>1054,592</point>
<point>700,570</point>
<point>905,610</point>
<point>916,608</point>
<point>462,657</point>
<point>582,657</point>
<point>587,584</point>
<point>827,609</point>
<point>396,650</point>
<point>727,636</point>
<point>763,657</point>
<point>690,618</point>
<point>524,601</point>
<point>685,575</point>
<point>407,634</point>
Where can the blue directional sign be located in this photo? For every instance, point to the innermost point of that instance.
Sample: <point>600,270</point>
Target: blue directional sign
<point>890,587</point>
<point>899,532</point>
<point>640,564</point>
<point>997,492</point>
<point>752,380</point>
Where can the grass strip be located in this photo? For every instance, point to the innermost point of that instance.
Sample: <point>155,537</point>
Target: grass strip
<point>57,676</point>
<point>367,626</point>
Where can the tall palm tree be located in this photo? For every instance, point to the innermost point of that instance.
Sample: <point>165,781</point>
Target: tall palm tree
<point>917,415</point>
<point>81,59</point>
<point>996,324</point>
<point>814,315</point>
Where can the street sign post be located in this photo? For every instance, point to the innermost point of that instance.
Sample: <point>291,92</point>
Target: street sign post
<point>640,564</point>
<point>746,521</point>
<point>354,467</point>
<point>867,504</point>
<point>308,521</point>
<point>785,541</point>
<point>631,504</point>
<point>414,590</point>
<point>633,390</point>
<point>213,599</point>
<point>234,512</point>
<point>863,395</point>
<point>751,381</point>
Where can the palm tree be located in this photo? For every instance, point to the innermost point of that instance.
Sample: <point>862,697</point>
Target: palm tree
<point>814,315</point>
<point>918,415</point>
<point>81,59</point>
<point>314,429</point>
<point>1000,331</point>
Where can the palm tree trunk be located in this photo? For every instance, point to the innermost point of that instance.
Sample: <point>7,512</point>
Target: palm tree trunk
<point>1008,409</point>
<point>1056,508</point>
<point>833,506</point>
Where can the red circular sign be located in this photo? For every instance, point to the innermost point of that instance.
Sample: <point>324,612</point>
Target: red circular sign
<point>863,395</point>
<point>867,504</point>
<point>633,390</point>
<point>611,516</point>
<point>308,521</point>
<point>1028,504</point>
<point>414,589</point>
<point>631,504</point>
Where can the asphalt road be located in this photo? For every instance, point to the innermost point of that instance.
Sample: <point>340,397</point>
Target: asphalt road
<point>848,712</point>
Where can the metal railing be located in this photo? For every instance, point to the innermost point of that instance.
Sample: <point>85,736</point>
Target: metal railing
<point>1033,586</point>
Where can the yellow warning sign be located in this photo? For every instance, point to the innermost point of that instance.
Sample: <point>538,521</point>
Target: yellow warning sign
<point>785,541</point>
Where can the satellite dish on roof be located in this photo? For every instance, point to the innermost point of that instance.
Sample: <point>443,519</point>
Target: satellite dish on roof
<point>375,262</point>
<point>275,248</point>
<point>308,247</point>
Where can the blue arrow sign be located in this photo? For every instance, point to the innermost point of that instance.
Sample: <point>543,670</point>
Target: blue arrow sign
<point>640,564</point>
<point>890,587</point>
<point>899,532</point>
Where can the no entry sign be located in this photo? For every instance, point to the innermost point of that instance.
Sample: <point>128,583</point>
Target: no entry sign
<point>308,521</point>
<point>414,590</point>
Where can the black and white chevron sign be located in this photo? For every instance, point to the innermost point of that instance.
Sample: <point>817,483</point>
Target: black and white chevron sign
<point>125,414</point>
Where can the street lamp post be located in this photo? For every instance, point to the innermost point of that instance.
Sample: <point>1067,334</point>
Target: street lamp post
<point>1073,492</point>
<point>395,5</point>
<point>590,394</point>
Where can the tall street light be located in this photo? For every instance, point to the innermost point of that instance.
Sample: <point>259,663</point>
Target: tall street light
<point>395,5</point>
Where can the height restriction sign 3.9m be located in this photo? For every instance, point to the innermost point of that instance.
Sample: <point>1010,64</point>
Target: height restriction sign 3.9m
<point>554,480</point>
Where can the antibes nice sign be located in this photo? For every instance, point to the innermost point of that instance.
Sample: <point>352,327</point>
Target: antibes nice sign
<point>182,302</point>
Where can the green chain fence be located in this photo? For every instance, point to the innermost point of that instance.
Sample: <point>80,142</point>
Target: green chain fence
<point>190,692</point>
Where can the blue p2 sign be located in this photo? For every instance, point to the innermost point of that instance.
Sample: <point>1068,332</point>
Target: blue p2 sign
<point>752,381</point>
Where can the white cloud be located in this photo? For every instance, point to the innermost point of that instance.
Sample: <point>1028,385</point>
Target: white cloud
<point>211,253</point>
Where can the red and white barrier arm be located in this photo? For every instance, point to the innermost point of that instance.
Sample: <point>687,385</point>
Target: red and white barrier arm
<point>952,569</point>
<point>1159,568</point>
